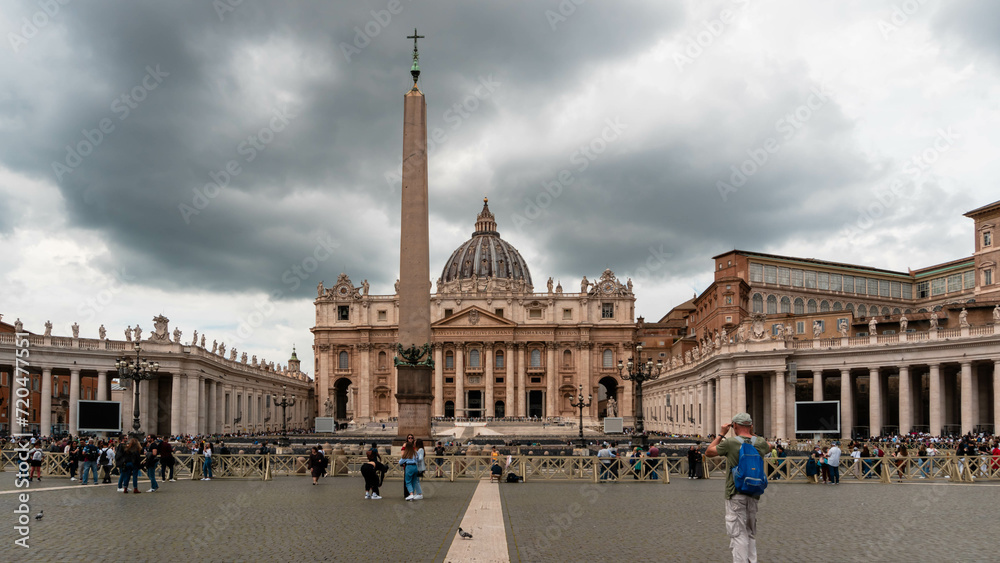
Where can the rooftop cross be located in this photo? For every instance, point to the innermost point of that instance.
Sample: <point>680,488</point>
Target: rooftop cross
<point>415,69</point>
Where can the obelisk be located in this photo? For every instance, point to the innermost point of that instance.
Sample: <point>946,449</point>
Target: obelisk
<point>414,364</point>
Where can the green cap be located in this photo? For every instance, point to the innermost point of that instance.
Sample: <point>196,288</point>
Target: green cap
<point>743,419</point>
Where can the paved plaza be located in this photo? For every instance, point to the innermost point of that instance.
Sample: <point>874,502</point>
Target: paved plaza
<point>289,519</point>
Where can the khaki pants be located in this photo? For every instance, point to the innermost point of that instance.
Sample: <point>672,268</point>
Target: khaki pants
<point>741,525</point>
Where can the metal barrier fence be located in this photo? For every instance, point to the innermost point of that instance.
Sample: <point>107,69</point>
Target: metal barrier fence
<point>562,468</point>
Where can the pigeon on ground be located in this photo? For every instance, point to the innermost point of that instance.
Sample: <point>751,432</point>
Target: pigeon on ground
<point>39,515</point>
<point>464,535</point>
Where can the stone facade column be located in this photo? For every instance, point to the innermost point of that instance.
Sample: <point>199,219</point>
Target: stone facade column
<point>874,402</point>
<point>780,421</point>
<point>176,429</point>
<point>488,358</point>
<point>996,396</point>
<point>102,385</point>
<point>709,410</point>
<point>438,379</point>
<point>968,423</point>
<point>936,413</point>
<point>522,393</point>
<point>741,393</point>
<point>151,412</point>
<point>44,409</point>
<point>202,404</point>
<point>460,380</point>
<point>846,405</point>
<point>767,429</point>
<point>74,400</point>
<point>725,399</point>
<point>905,401</point>
<point>220,404</point>
<point>583,375</point>
<point>212,415</point>
<point>365,376</point>
<point>551,402</point>
<point>190,419</point>
<point>818,385</point>
<point>509,404</point>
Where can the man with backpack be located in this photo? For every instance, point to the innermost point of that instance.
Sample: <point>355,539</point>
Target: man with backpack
<point>746,479</point>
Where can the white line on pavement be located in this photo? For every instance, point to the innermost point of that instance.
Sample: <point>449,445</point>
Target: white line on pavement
<point>484,520</point>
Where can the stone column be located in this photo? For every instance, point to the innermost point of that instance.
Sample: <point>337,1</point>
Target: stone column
<point>741,393</point>
<point>709,426</point>
<point>905,398</point>
<point>213,420</point>
<point>102,385</point>
<point>202,407</point>
<point>220,407</point>
<point>488,356</point>
<point>936,395</point>
<point>768,423</point>
<point>725,399</point>
<point>509,403</point>
<point>996,396</point>
<point>522,393</point>
<point>874,402</point>
<point>551,404</point>
<point>967,397</point>
<point>364,380</point>
<point>151,400</point>
<point>190,423</point>
<point>438,380</point>
<point>846,404</point>
<point>460,380</point>
<point>583,374</point>
<point>780,423</point>
<point>175,405</point>
<point>74,400</point>
<point>818,385</point>
<point>45,408</point>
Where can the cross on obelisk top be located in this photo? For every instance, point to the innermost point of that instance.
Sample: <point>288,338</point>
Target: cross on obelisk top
<point>415,69</point>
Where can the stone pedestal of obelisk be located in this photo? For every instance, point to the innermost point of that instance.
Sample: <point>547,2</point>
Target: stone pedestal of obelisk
<point>414,383</point>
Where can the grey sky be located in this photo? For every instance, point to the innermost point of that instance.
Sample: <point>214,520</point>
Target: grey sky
<point>600,134</point>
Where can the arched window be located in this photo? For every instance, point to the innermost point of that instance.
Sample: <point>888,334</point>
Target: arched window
<point>786,305</point>
<point>811,306</point>
<point>449,360</point>
<point>849,307</point>
<point>567,358</point>
<point>536,358</point>
<point>885,311</point>
<point>381,360</point>
<point>499,359</point>
<point>608,359</point>
<point>758,303</point>
<point>772,304</point>
<point>862,311</point>
<point>799,306</point>
<point>824,306</point>
<point>837,306</point>
<point>344,362</point>
<point>474,358</point>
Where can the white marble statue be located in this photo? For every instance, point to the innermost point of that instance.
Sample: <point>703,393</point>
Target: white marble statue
<point>319,289</point>
<point>18,325</point>
<point>202,340</point>
<point>177,335</point>
<point>584,285</point>
<point>215,346</point>
<point>48,328</point>
<point>963,318</point>
<point>612,408</point>
<point>76,330</point>
<point>102,332</point>
<point>243,358</point>
<point>817,329</point>
<point>128,333</point>
<point>232,354</point>
<point>842,328</point>
<point>137,333</point>
<point>934,320</point>
<point>996,314</point>
<point>253,361</point>
<point>872,331</point>
<point>222,349</point>
<point>903,322</point>
<point>364,287</point>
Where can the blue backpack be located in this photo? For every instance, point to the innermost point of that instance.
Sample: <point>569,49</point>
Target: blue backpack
<point>749,474</point>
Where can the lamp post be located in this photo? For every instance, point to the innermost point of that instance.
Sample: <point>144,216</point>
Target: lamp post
<point>579,404</point>
<point>284,404</point>
<point>136,370</point>
<point>639,373</point>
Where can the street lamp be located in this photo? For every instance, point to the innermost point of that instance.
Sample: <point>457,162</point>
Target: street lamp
<point>284,404</point>
<point>579,404</point>
<point>639,373</point>
<point>136,370</point>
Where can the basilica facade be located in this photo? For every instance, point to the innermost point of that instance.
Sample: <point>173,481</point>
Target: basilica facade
<point>500,349</point>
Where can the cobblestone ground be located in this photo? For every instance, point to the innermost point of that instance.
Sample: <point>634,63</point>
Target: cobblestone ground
<point>289,519</point>
<point>684,521</point>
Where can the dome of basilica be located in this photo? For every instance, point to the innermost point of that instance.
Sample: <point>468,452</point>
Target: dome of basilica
<point>486,255</point>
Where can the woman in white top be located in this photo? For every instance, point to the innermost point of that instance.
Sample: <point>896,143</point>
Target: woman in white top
<point>206,466</point>
<point>418,492</point>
